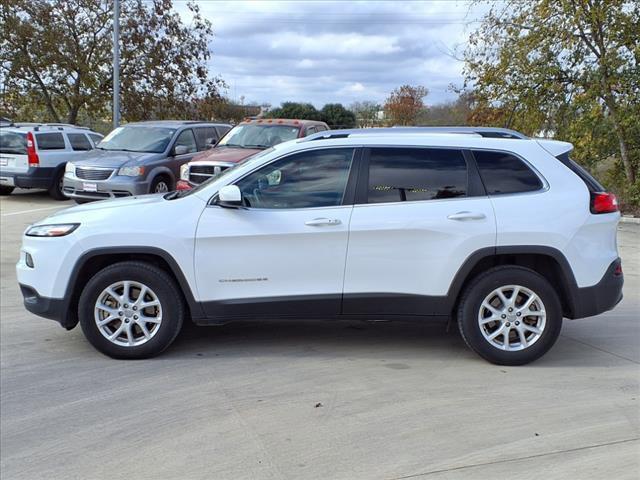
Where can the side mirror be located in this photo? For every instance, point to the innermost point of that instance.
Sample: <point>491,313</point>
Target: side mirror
<point>180,149</point>
<point>230,196</point>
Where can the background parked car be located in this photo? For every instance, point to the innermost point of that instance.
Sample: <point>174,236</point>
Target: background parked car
<point>33,155</point>
<point>244,140</point>
<point>139,158</point>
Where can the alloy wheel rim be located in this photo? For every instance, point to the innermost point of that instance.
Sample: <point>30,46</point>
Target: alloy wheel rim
<point>128,313</point>
<point>161,187</point>
<point>512,318</point>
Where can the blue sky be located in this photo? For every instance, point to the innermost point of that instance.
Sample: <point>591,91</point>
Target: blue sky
<point>326,51</point>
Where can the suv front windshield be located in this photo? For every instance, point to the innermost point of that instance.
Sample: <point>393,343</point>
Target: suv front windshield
<point>259,136</point>
<point>138,139</point>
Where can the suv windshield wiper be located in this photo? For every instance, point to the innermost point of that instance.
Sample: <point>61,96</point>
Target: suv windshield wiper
<point>236,145</point>
<point>259,145</point>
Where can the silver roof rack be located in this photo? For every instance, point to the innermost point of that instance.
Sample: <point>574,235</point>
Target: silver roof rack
<point>487,132</point>
<point>53,125</point>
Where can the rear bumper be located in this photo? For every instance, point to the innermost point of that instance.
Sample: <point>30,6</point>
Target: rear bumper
<point>35,177</point>
<point>601,297</point>
<point>52,308</point>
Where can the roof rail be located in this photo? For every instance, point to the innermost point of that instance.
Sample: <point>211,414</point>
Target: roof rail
<point>487,132</point>
<point>55,125</point>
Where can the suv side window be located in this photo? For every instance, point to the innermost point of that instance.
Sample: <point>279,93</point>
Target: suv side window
<point>413,174</point>
<point>206,137</point>
<point>50,141</point>
<point>79,141</point>
<point>96,138</point>
<point>505,173</point>
<point>187,139</point>
<point>316,178</point>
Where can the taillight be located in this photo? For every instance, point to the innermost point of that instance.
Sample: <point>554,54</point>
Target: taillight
<point>618,270</point>
<point>32,156</point>
<point>183,185</point>
<point>603,202</point>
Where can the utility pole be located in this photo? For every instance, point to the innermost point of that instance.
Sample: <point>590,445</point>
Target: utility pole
<point>116,63</point>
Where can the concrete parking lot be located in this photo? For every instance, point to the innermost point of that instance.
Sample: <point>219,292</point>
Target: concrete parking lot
<point>313,400</point>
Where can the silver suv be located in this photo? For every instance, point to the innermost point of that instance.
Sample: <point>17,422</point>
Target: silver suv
<point>139,158</point>
<point>33,155</point>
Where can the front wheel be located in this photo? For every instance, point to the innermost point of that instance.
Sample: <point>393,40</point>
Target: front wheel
<point>510,315</point>
<point>56,189</point>
<point>160,185</point>
<point>4,190</point>
<point>131,310</point>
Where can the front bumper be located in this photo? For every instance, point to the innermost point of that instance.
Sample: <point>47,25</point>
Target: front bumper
<point>601,297</point>
<point>52,308</point>
<point>115,187</point>
<point>34,177</point>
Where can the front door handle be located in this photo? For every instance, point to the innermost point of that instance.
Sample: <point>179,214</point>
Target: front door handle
<point>318,222</point>
<point>462,216</point>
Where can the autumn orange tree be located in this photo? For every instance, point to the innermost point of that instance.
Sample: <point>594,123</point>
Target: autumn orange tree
<point>404,104</point>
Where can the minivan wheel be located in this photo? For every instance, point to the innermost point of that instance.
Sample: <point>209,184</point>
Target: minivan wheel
<point>510,315</point>
<point>160,185</point>
<point>131,310</point>
<point>55,190</point>
<point>6,190</point>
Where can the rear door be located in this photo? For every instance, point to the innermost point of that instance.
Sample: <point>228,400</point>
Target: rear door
<point>419,214</point>
<point>13,155</point>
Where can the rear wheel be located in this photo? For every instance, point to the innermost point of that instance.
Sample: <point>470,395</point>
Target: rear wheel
<point>4,190</point>
<point>131,310</point>
<point>510,315</point>
<point>55,190</point>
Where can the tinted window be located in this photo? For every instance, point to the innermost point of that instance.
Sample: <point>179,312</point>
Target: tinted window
<point>505,173</point>
<point>206,137</point>
<point>411,174</point>
<point>50,141</point>
<point>11,142</point>
<point>303,180</point>
<point>186,139</point>
<point>96,138</point>
<point>79,141</point>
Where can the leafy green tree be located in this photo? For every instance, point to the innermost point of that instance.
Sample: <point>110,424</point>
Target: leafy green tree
<point>366,113</point>
<point>336,116</point>
<point>570,67</point>
<point>301,111</point>
<point>56,57</point>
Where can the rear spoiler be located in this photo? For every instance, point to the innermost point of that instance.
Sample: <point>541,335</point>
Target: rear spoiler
<point>555,147</point>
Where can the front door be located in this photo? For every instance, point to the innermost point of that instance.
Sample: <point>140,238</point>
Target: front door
<point>283,253</point>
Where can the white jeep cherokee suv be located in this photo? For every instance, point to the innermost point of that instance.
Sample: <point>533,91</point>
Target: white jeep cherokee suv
<point>505,235</point>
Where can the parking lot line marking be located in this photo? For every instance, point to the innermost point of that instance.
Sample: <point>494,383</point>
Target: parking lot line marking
<point>31,211</point>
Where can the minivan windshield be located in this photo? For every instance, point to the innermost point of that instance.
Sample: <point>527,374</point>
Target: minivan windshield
<point>138,139</point>
<point>13,142</point>
<point>258,136</point>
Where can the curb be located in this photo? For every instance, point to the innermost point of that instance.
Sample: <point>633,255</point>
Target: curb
<point>625,219</point>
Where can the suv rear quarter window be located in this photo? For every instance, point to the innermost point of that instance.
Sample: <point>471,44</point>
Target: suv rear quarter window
<point>79,141</point>
<point>50,141</point>
<point>414,174</point>
<point>504,173</point>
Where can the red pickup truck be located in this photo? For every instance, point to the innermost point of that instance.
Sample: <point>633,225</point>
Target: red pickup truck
<point>244,140</point>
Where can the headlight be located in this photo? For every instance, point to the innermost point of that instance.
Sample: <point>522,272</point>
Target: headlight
<point>59,230</point>
<point>70,168</point>
<point>131,171</point>
<point>184,172</point>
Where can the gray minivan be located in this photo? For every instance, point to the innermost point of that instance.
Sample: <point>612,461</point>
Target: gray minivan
<point>139,158</point>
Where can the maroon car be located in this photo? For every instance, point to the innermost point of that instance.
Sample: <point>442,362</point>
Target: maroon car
<point>244,140</point>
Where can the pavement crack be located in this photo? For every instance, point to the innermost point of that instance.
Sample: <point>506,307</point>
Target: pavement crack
<point>496,462</point>
<point>601,349</point>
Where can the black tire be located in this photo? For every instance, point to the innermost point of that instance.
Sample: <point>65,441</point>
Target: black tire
<point>4,190</point>
<point>80,201</point>
<point>161,184</point>
<point>55,190</point>
<point>481,287</point>
<point>164,287</point>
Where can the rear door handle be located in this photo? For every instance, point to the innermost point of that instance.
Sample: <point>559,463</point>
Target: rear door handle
<point>319,222</point>
<point>462,216</point>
